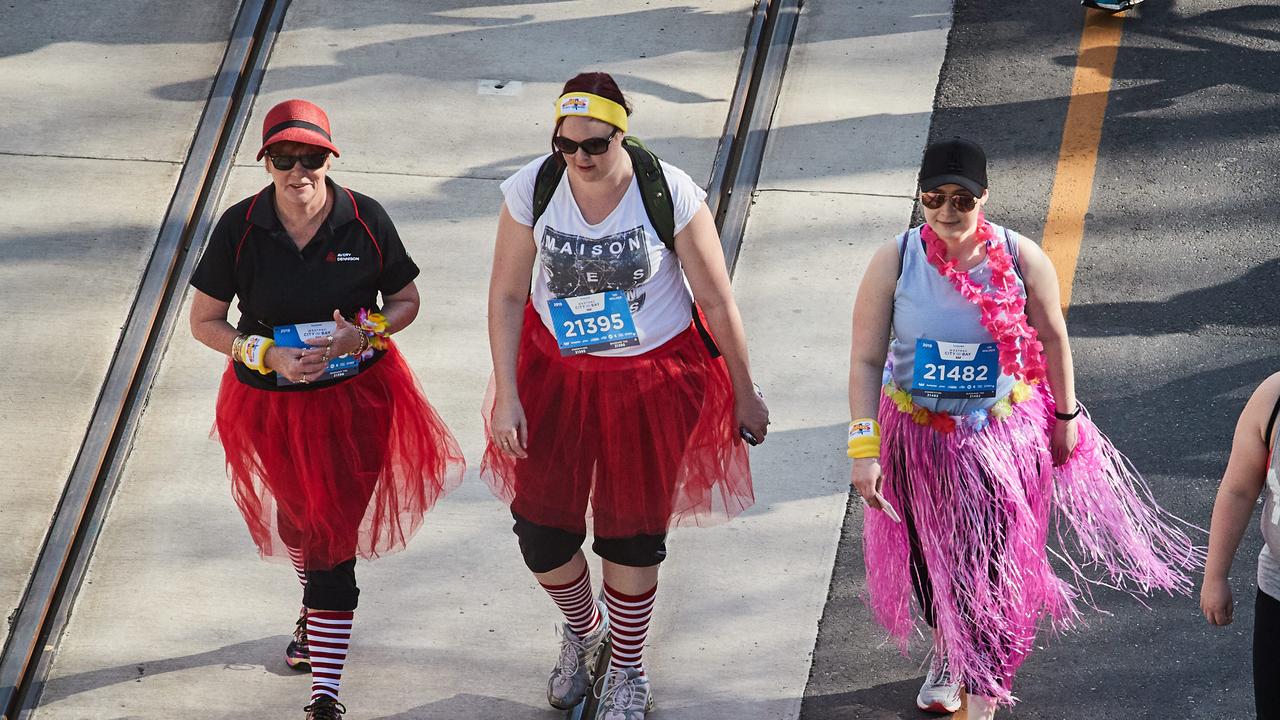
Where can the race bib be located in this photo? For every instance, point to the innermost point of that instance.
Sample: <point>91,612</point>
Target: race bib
<point>293,336</point>
<point>591,323</point>
<point>955,370</point>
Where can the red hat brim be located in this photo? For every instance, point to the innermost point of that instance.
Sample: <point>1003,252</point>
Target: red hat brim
<point>299,135</point>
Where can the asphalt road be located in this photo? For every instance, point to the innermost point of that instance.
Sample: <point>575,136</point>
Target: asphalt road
<point>1174,321</point>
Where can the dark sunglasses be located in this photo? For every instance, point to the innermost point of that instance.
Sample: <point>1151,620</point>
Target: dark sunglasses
<point>962,202</point>
<point>591,146</point>
<point>314,161</point>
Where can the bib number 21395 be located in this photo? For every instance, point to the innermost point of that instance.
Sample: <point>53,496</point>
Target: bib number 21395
<point>590,323</point>
<point>955,370</point>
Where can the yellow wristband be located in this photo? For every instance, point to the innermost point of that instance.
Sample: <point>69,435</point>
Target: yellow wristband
<point>864,438</point>
<point>254,352</point>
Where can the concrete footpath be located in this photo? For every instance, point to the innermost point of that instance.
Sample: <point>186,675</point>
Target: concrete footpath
<point>98,106</point>
<point>179,618</point>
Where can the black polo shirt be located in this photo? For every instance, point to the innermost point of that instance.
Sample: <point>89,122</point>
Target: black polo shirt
<point>355,255</point>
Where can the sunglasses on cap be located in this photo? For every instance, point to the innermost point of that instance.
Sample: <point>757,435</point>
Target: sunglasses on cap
<point>312,161</point>
<point>591,146</point>
<point>962,202</point>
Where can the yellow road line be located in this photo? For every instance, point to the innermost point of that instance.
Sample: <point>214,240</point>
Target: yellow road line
<point>1081,133</point>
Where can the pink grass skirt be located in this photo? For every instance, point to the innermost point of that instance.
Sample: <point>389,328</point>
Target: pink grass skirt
<point>983,504</point>
<point>647,441</point>
<point>342,471</point>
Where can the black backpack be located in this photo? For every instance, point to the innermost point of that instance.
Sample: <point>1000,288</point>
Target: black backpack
<point>653,188</point>
<point>658,204</point>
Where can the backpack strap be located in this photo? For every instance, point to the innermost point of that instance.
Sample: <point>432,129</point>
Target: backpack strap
<point>655,193</point>
<point>544,186</point>
<point>1271,425</point>
<point>660,207</point>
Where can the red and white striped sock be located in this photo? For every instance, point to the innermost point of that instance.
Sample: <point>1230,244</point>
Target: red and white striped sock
<point>328,635</point>
<point>575,601</point>
<point>299,566</point>
<point>628,626</point>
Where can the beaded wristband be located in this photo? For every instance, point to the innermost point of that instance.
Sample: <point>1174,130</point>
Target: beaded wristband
<point>237,348</point>
<point>373,326</point>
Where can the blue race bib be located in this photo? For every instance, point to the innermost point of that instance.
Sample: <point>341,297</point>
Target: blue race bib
<point>955,370</point>
<point>292,336</point>
<point>591,323</point>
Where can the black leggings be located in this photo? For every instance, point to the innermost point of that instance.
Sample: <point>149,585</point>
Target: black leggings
<point>547,548</point>
<point>1266,656</point>
<point>333,589</point>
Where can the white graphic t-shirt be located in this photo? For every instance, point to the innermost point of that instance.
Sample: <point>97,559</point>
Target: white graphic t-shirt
<point>621,252</point>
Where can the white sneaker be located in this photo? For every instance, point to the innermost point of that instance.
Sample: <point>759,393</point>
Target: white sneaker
<point>571,677</point>
<point>940,693</point>
<point>623,695</point>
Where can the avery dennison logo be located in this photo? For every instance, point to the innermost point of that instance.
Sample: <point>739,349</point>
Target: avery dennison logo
<point>344,257</point>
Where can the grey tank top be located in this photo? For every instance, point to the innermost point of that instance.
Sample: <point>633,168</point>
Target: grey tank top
<point>926,305</point>
<point>1269,558</point>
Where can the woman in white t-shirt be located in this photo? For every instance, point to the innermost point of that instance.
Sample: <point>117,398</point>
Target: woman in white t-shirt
<point>605,392</point>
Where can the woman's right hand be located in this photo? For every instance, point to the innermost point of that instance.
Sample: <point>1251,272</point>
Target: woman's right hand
<point>1216,601</point>
<point>866,479</point>
<point>509,428</point>
<point>296,364</point>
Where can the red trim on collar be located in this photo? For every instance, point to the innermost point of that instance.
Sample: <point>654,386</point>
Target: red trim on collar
<point>355,208</point>
<point>249,227</point>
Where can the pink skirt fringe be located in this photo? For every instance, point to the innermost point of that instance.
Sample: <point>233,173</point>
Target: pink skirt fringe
<point>982,504</point>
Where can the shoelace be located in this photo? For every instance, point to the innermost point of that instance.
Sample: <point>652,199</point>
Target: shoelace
<point>940,671</point>
<point>300,633</point>
<point>571,650</point>
<point>326,709</point>
<point>620,692</point>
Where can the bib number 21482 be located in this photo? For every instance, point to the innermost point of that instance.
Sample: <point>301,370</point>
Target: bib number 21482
<point>955,370</point>
<point>591,323</point>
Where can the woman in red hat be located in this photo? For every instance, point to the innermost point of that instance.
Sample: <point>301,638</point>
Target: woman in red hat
<point>333,451</point>
<point>606,394</point>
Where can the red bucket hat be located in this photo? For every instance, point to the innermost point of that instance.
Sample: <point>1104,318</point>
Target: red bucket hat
<point>296,121</point>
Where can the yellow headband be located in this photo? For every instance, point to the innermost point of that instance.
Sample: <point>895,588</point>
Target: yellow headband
<point>592,106</point>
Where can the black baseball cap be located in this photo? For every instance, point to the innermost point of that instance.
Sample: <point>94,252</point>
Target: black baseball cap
<point>957,161</point>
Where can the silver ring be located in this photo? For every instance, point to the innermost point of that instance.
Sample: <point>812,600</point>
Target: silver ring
<point>304,378</point>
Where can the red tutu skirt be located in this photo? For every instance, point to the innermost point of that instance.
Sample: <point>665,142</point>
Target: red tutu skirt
<point>340,471</point>
<point>647,441</point>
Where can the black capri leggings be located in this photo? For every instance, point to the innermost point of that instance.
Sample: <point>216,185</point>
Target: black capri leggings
<point>547,548</point>
<point>333,589</point>
<point>1266,656</point>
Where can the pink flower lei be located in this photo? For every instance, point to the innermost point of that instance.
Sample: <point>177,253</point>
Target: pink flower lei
<point>1003,306</point>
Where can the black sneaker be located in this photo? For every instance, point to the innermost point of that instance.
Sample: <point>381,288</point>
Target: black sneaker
<point>298,655</point>
<point>324,708</point>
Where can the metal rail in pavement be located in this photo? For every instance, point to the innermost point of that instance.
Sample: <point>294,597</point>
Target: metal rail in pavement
<point>76,523</point>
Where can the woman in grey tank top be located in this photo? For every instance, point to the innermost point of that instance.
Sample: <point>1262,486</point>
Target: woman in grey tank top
<point>1251,471</point>
<point>982,440</point>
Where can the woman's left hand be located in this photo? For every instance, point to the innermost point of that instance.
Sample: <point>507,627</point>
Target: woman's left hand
<point>1063,440</point>
<point>344,340</point>
<point>752,414</point>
